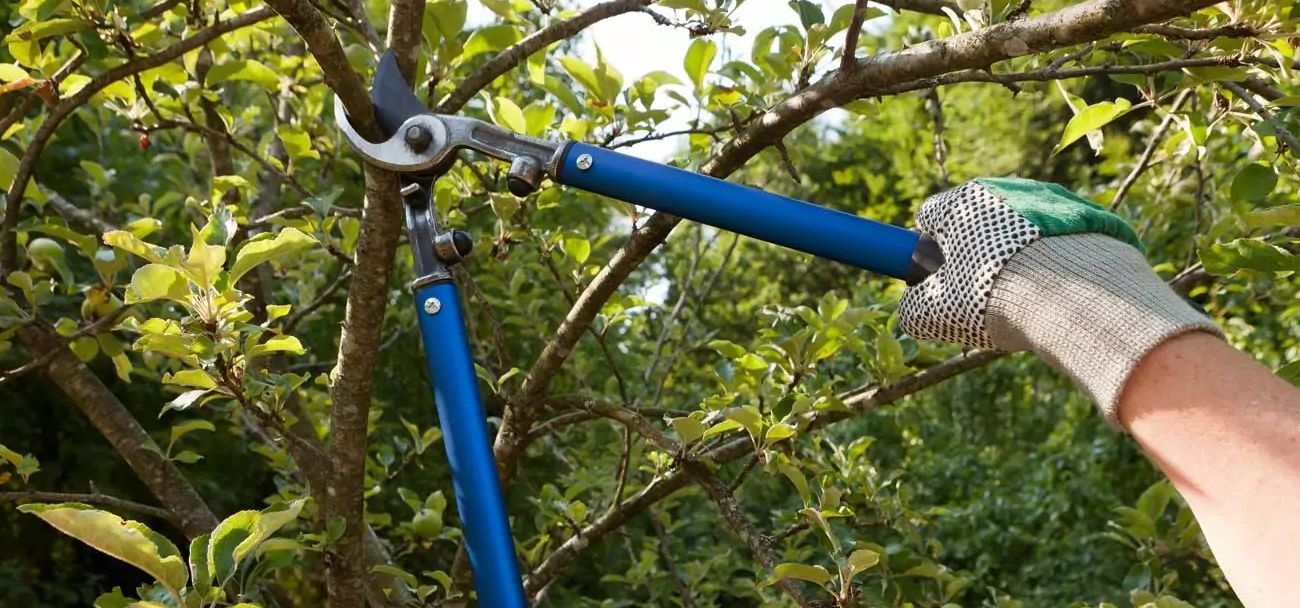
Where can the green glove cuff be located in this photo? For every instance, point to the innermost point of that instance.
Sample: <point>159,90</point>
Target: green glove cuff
<point>1057,211</point>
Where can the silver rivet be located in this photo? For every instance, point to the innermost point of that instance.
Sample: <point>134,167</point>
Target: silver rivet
<point>584,162</point>
<point>432,306</point>
<point>410,189</point>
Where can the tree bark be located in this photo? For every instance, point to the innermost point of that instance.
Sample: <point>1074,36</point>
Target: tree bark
<point>122,431</point>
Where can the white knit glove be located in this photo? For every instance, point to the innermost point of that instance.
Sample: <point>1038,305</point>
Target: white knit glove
<point>1033,266</point>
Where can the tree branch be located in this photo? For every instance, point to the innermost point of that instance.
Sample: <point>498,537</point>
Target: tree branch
<point>1283,134</point>
<point>1236,30</point>
<point>91,499</point>
<point>507,60</point>
<point>852,34</point>
<point>65,107</point>
<point>1075,24</point>
<point>1144,161</point>
<point>122,431</point>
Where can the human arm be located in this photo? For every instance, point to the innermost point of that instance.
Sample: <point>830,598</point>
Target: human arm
<point>1034,267</point>
<point>1226,432</point>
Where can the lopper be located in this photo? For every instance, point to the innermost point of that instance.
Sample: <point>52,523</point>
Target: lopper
<point>421,146</point>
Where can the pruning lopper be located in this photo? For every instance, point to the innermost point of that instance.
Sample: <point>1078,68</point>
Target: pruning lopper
<point>422,145</point>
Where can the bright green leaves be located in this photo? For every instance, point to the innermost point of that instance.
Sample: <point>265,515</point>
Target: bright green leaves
<point>1254,183</point>
<point>810,14</point>
<point>804,572</point>
<point>35,31</point>
<point>1248,254</point>
<point>213,558</point>
<point>1091,120</point>
<point>157,281</point>
<point>699,56</point>
<point>266,247</point>
<point>490,39</point>
<point>245,70</point>
<point>507,114</point>
<point>238,535</point>
<point>129,541</point>
<point>577,248</point>
<point>277,344</point>
<point>601,81</point>
<point>24,464</point>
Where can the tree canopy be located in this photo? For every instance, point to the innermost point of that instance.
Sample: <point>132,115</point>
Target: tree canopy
<point>213,393</point>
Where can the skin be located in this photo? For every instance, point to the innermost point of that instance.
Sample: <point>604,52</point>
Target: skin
<point>1226,432</point>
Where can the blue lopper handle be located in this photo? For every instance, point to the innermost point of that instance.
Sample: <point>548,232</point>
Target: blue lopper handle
<point>831,234</point>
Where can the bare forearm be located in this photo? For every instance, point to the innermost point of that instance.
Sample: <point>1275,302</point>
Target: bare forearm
<point>1226,432</point>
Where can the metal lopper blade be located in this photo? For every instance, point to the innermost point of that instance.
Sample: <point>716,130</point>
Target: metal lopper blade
<point>392,97</point>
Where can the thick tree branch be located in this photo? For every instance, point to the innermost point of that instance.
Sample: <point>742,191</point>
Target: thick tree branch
<point>65,107</point>
<point>91,499</point>
<point>1075,24</point>
<point>507,60</point>
<point>404,21</point>
<point>338,72</point>
<point>122,431</point>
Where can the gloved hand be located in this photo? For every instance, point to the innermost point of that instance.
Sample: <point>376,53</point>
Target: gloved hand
<point>1033,266</point>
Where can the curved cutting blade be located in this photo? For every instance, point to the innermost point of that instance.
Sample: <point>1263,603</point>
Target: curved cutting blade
<point>392,97</point>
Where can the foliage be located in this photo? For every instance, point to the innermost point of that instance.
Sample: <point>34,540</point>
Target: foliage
<point>194,233</point>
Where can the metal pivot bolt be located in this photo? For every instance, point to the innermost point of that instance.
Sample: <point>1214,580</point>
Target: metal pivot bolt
<point>453,246</point>
<point>418,138</point>
<point>584,161</point>
<point>432,306</point>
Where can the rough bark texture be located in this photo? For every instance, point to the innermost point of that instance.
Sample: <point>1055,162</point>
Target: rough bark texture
<point>121,429</point>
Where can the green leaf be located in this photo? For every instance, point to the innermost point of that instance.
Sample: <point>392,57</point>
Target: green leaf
<point>809,13</point>
<point>1283,216</point>
<point>752,362</point>
<point>779,432</point>
<point>130,243</point>
<point>266,248</point>
<point>748,417</point>
<point>190,426</point>
<point>1252,254</point>
<point>803,572</point>
<point>297,143</point>
<point>275,311</point>
<point>226,537</point>
<point>862,560</point>
<point>34,31</point>
<point>797,478</point>
<point>277,344</point>
<point>245,70</point>
<point>400,574</point>
<point>156,281</point>
<point>1092,118</point>
<point>129,541</point>
<point>689,429</point>
<point>699,56</point>
<point>583,73</point>
<point>578,248</point>
<point>489,39</point>
<point>1253,183</point>
<point>11,73</point>
<point>730,350</point>
<point>722,427</point>
<point>508,115</point>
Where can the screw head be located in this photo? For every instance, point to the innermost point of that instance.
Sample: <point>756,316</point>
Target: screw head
<point>584,162</point>
<point>432,306</point>
<point>418,137</point>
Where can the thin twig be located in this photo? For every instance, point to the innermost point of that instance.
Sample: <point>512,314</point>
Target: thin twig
<point>1236,30</point>
<point>291,322</point>
<point>1279,128</point>
<point>1144,161</point>
<point>86,330</point>
<point>91,499</point>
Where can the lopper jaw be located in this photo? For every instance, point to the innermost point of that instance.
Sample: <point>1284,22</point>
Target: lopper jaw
<point>422,143</point>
